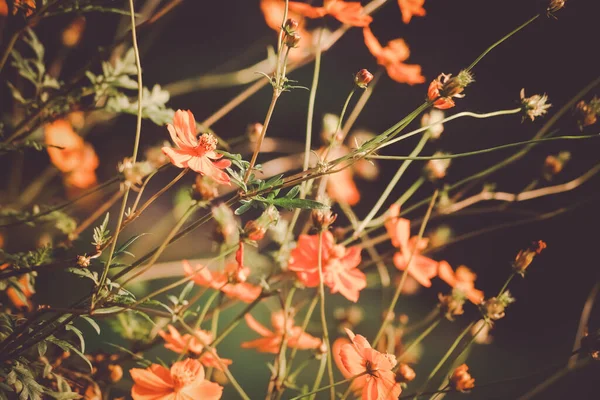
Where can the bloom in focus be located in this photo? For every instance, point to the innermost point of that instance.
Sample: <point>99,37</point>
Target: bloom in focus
<point>232,281</point>
<point>340,272</point>
<point>534,106</point>
<point>410,8</point>
<point>194,344</point>
<point>377,381</point>
<point>184,380</point>
<point>392,57</point>
<point>271,340</point>
<point>461,379</point>
<point>197,154</point>
<point>442,89</point>
<point>347,12</point>
<point>421,268</point>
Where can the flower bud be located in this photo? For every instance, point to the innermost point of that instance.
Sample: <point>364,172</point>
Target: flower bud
<point>554,6</point>
<point>83,261</point>
<point>587,113</point>
<point>363,78</point>
<point>116,372</point>
<point>253,131</point>
<point>451,305</point>
<point>256,229</point>
<point>322,219</point>
<point>553,165</point>
<point>292,39</point>
<point>493,308</point>
<point>405,373</point>
<point>291,25</point>
<point>205,188</point>
<point>526,256</point>
<point>71,36</point>
<point>436,169</point>
<point>461,379</point>
<point>227,227</point>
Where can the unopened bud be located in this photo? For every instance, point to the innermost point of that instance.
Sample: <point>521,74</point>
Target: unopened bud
<point>83,261</point>
<point>461,379</point>
<point>116,372</point>
<point>554,6</point>
<point>405,373</point>
<point>322,219</point>
<point>254,231</point>
<point>363,78</point>
<point>291,25</point>
<point>451,305</point>
<point>587,113</point>
<point>292,39</point>
<point>526,256</point>
<point>494,308</point>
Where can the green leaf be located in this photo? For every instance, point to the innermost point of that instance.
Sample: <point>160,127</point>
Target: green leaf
<point>297,203</point>
<point>293,192</point>
<point>78,333</point>
<point>93,323</point>
<point>42,347</point>
<point>66,346</point>
<point>128,243</point>
<point>246,205</point>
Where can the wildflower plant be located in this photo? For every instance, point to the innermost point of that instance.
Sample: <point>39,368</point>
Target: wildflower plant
<point>168,296</point>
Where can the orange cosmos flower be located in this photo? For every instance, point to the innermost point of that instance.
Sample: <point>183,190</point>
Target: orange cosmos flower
<point>340,272</point>
<point>340,185</point>
<point>347,12</point>
<point>392,57</point>
<point>232,281</point>
<point>410,8</point>
<point>20,299</point>
<point>379,381</point>
<point>421,268</point>
<point>76,159</point>
<point>179,343</point>
<point>197,154</point>
<point>3,8</point>
<point>27,5</point>
<point>271,340</point>
<point>462,279</point>
<point>442,89</point>
<point>185,380</point>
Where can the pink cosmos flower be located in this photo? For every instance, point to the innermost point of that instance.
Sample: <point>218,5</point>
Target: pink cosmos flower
<point>340,272</point>
<point>190,343</point>
<point>197,154</point>
<point>185,380</point>
<point>271,340</point>
<point>232,281</point>
<point>378,381</point>
<point>392,57</point>
<point>421,268</point>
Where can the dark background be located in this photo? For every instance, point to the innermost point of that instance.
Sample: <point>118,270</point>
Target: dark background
<point>557,57</point>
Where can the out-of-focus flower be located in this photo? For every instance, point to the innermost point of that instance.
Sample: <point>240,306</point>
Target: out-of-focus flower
<point>587,113</point>
<point>71,36</point>
<point>340,272</point>
<point>534,106</point>
<point>481,332</point>
<point>363,78</point>
<point>231,281</point>
<point>440,236</point>
<point>411,8</point>
<point>155,156</point>
<point>461,380</point>
<point>271,340</point>
<point>433,118</point>
<point>436,169</point>
<point>526,256</point>
<point>26,6</point>
<point>378,380</point>
<point>451,305</point>
<point>348,318</point>
<point>253,131</point>
<point>205,188</point>
<point>3,8</point>
<point>347,12</point>
<point>554,164</point>
<point>493,308</point>
<point>392,57</point>
<point>421,268</point>
<point>463,280</point>
<point>322,219</point>
<point>554,6</point>
<point>340,185</point>
<point>197,154</point>
<point>405,373</point>
<point>76,159</point>
<point>227,225</point>
<point>115,372</point>
<point>20,297</point>
<point>181,344</point>
<point>184,380</point>
<point>445,87</point>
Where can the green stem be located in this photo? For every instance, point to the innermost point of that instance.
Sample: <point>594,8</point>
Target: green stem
<point>419,339</point>
<point>392,305</point>
<point>555,378</point>
<point>510,278</point>
<point>262,134</point>
<point>446,356</point>
<point>324,362</point>
<point>324,315</point>
<point>329,386</point>
<point>311,309</point>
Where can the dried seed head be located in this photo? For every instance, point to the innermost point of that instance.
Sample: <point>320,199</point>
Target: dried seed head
<point>322,219</point>
<point>587,113</point>
<point>363,78</point>
<point>534,106</point>
<point>494,308</point>
<point>292,39</point>
<point>451,305</point>
<point>442,89</point>
<point>553,165</point>
<point>134,173</point>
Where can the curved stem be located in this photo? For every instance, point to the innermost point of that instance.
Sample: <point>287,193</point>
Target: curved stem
<point>419,339</point>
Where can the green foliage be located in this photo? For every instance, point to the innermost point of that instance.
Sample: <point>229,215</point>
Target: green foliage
<point>34,71</point>
<point>23,145</point>
<point>58,219</point>
<point>101,233</point>
<point>41,255</point>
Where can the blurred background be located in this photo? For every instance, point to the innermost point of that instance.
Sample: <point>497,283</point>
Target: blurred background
<point>553,56</point>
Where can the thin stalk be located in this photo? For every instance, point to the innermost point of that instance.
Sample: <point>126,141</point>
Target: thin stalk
<point>96,214</point>
<point>311,308</point>
<point>503,288</point>
<point>324,315</point>
<point>262,134</point>
<point>320,373</point>
<point>391,185</point>
<point>280,369</point>
<point>362,101</point>
<point>555,378</point>
<point>445,357</point>
<point>583,322</point>
<point>392,305</point>
<point>419,339</point>
<point>138,131</point>
<point>329,386</point>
